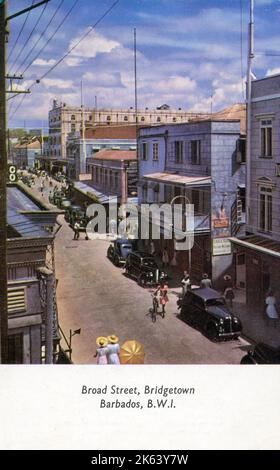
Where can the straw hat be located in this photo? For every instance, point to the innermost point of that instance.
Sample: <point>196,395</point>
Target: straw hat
<point>113,339</point>
<point>227,277</point>
<point>101,341</point>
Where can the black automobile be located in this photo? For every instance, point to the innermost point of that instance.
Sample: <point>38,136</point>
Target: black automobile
<point>143,267</point>
<point>262,354</point>
<point>119,250</point>
<point>206,309</point>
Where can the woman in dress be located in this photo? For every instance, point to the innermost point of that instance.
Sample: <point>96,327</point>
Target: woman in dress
<point>113,350</point>
<point>163,297</point>
<point>271,310</point>
<point>101,351</point>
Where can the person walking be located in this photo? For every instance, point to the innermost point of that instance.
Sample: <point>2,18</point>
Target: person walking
<point>205,281</point>
<point>76,230</point>
<point>228,290</point>
<point>165,258</point>
<point>186,283</point>
<point>101,351</point>
<point>271,310</point>
<point>163,297</point>
<point>152,248</point>
<point>113,350</point>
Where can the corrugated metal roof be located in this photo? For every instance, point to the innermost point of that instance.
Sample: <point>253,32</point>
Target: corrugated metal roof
<point>24,226</point>
<point>172,178</point>
<point>90,190</point>
<point>19,201</point>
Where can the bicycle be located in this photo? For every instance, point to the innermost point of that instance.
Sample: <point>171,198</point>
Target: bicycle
<point>154,309</point>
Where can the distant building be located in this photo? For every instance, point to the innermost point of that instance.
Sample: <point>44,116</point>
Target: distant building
<point>96,139</point>
<point>24,154</point>
<point>65,120</point>
<point>114,172</point>
<point>149,116</point>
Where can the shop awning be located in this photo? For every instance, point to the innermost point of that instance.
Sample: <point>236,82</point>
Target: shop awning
<point>258,243</point>
<point>91,191</point>
<point>178,180</point>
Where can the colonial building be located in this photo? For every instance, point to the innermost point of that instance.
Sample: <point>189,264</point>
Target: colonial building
<point>78,150</point>
<point>25,154</point>
<point>32,318</point>
<point>114,172</point>
<point>65,120</point>
<point>161,115</point>
<point>199,163</point>
<point>257,256</point>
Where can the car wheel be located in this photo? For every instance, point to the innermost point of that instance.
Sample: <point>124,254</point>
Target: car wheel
<point>116,260</point>
<point>246,360</point>
<point>108,253</point>
<point>211,332</point>
<point>142,281</point>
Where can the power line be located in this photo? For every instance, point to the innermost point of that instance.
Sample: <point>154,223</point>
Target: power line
<point>80,40</point>
<point>20,32</point>
<point>67,53</point>
<point>29,37</point>
<point>40,37</point>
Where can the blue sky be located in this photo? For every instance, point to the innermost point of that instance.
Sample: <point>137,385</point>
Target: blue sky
<point>187,50</point>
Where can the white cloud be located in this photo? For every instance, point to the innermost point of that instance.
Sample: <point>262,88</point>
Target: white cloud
<point>176,83</point>
<point>92,45</point>
<point>103,79</point>
<point>58,83</point>
<point>273,71</point>
<point>43,62</point>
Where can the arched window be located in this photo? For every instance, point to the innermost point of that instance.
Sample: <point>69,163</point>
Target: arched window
<point>142,119</point>
<point>125,118</point>
<point>158,119</point>
<point>73,117</point>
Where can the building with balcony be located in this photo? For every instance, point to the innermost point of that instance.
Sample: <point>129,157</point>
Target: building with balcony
<point>199,163</point>
<point>257,256</point>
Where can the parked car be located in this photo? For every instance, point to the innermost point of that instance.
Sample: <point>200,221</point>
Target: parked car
<point>143,267</point>
<point>119,250</point>
<point>206,309</point>
<point>262,354</point>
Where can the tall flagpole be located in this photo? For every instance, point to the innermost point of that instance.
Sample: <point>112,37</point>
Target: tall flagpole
<point>248,98</point>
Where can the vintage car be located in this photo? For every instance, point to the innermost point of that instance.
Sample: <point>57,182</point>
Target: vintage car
<point>119,250</point>
<point>206,310</point>
<point>143,267</point>
<point>262,354</point>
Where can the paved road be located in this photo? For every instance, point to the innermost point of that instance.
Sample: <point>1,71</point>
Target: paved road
<point>97,297</point>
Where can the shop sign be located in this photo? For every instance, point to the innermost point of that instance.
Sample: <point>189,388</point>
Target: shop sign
<point>221,246</point>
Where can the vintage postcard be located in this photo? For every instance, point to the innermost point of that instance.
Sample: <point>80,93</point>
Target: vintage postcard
<point>140,222</point>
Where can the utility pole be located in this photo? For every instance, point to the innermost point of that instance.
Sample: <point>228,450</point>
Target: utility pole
<point>249,96</point>
<point>4,33</point>
<point>83,166</point>
<point>135,79</point>
<point>3,192</point>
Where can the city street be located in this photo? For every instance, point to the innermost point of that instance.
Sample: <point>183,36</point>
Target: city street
<point>97,297</point>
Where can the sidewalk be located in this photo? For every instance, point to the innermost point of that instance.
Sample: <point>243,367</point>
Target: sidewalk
<point>254,324</point>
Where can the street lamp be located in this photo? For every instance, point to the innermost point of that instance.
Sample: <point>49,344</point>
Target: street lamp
<point>182,196</point>
<point>72,333</point>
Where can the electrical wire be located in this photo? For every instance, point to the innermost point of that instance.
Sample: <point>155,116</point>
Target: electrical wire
<point>80,40</point>
<point>40,37</point>
<point>37,81</point>
<point>20,32</point>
